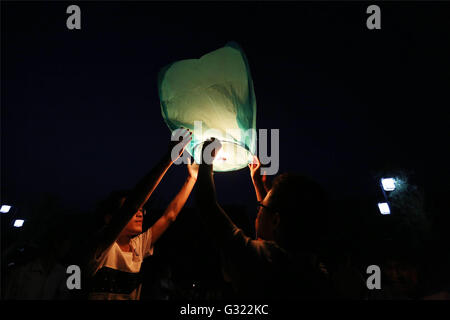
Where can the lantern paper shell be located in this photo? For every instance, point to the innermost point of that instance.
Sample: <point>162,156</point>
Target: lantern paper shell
<point>217,92</point>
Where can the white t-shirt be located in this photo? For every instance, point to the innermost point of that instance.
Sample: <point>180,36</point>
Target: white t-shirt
<point>128,262</point>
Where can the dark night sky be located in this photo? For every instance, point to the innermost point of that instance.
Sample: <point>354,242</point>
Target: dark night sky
<point>81,117</point>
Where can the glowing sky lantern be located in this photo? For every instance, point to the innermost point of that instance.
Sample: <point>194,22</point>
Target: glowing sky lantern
<point>213,97</point>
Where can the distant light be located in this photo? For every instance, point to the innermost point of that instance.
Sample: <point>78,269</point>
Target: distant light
<point>5,208</point>
<point>388,184</point>
<point>18,223</point>
<point>384,208</point>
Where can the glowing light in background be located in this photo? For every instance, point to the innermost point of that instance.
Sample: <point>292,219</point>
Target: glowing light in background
<point>5,208</point>
<point>384,208</point>
<point>18,223</point>
<point>388,184</point>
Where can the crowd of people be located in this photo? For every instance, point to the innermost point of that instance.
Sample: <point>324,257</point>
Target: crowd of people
<point>293,253</point>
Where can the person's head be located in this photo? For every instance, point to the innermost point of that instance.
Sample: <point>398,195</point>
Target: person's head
<point>402,276</point>
<point>294,212</point>
<point>111,206</point>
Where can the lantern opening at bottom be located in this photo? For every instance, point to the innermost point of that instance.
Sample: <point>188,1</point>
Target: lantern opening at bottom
<point>232,156</point>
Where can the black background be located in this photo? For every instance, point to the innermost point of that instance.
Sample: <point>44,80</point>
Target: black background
<point>80,112</point>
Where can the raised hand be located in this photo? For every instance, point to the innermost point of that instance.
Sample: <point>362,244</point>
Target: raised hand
<point>255,168</point>
<point>192,169</point>
<point>210,149</point>
<point>257,178</point>
<point>179,140</point>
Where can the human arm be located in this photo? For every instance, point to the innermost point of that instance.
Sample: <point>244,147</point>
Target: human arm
<point>175,206</point>
<point>140,194</point>
<point>241,255</point>
<point>258,183</point>
<point>215,218</point>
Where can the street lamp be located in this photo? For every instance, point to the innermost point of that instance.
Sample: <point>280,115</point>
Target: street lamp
<point>384,208</point>
<point>388,184</point>
<point>5,208</point>
<point>18,223</point>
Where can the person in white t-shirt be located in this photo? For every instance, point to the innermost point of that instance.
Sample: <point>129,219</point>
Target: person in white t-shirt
<point>118,249</point>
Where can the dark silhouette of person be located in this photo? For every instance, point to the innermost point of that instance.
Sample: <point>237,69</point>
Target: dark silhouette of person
<point>282,262</point>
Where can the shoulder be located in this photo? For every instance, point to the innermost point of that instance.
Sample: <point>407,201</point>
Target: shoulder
<point>143,237</point>
<point>261,250</point>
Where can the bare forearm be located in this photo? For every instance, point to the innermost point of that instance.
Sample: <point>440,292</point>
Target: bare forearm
<point>137,198</point>
<point>172,211</point>
<point>260,190</point>
<point>180,199</point>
